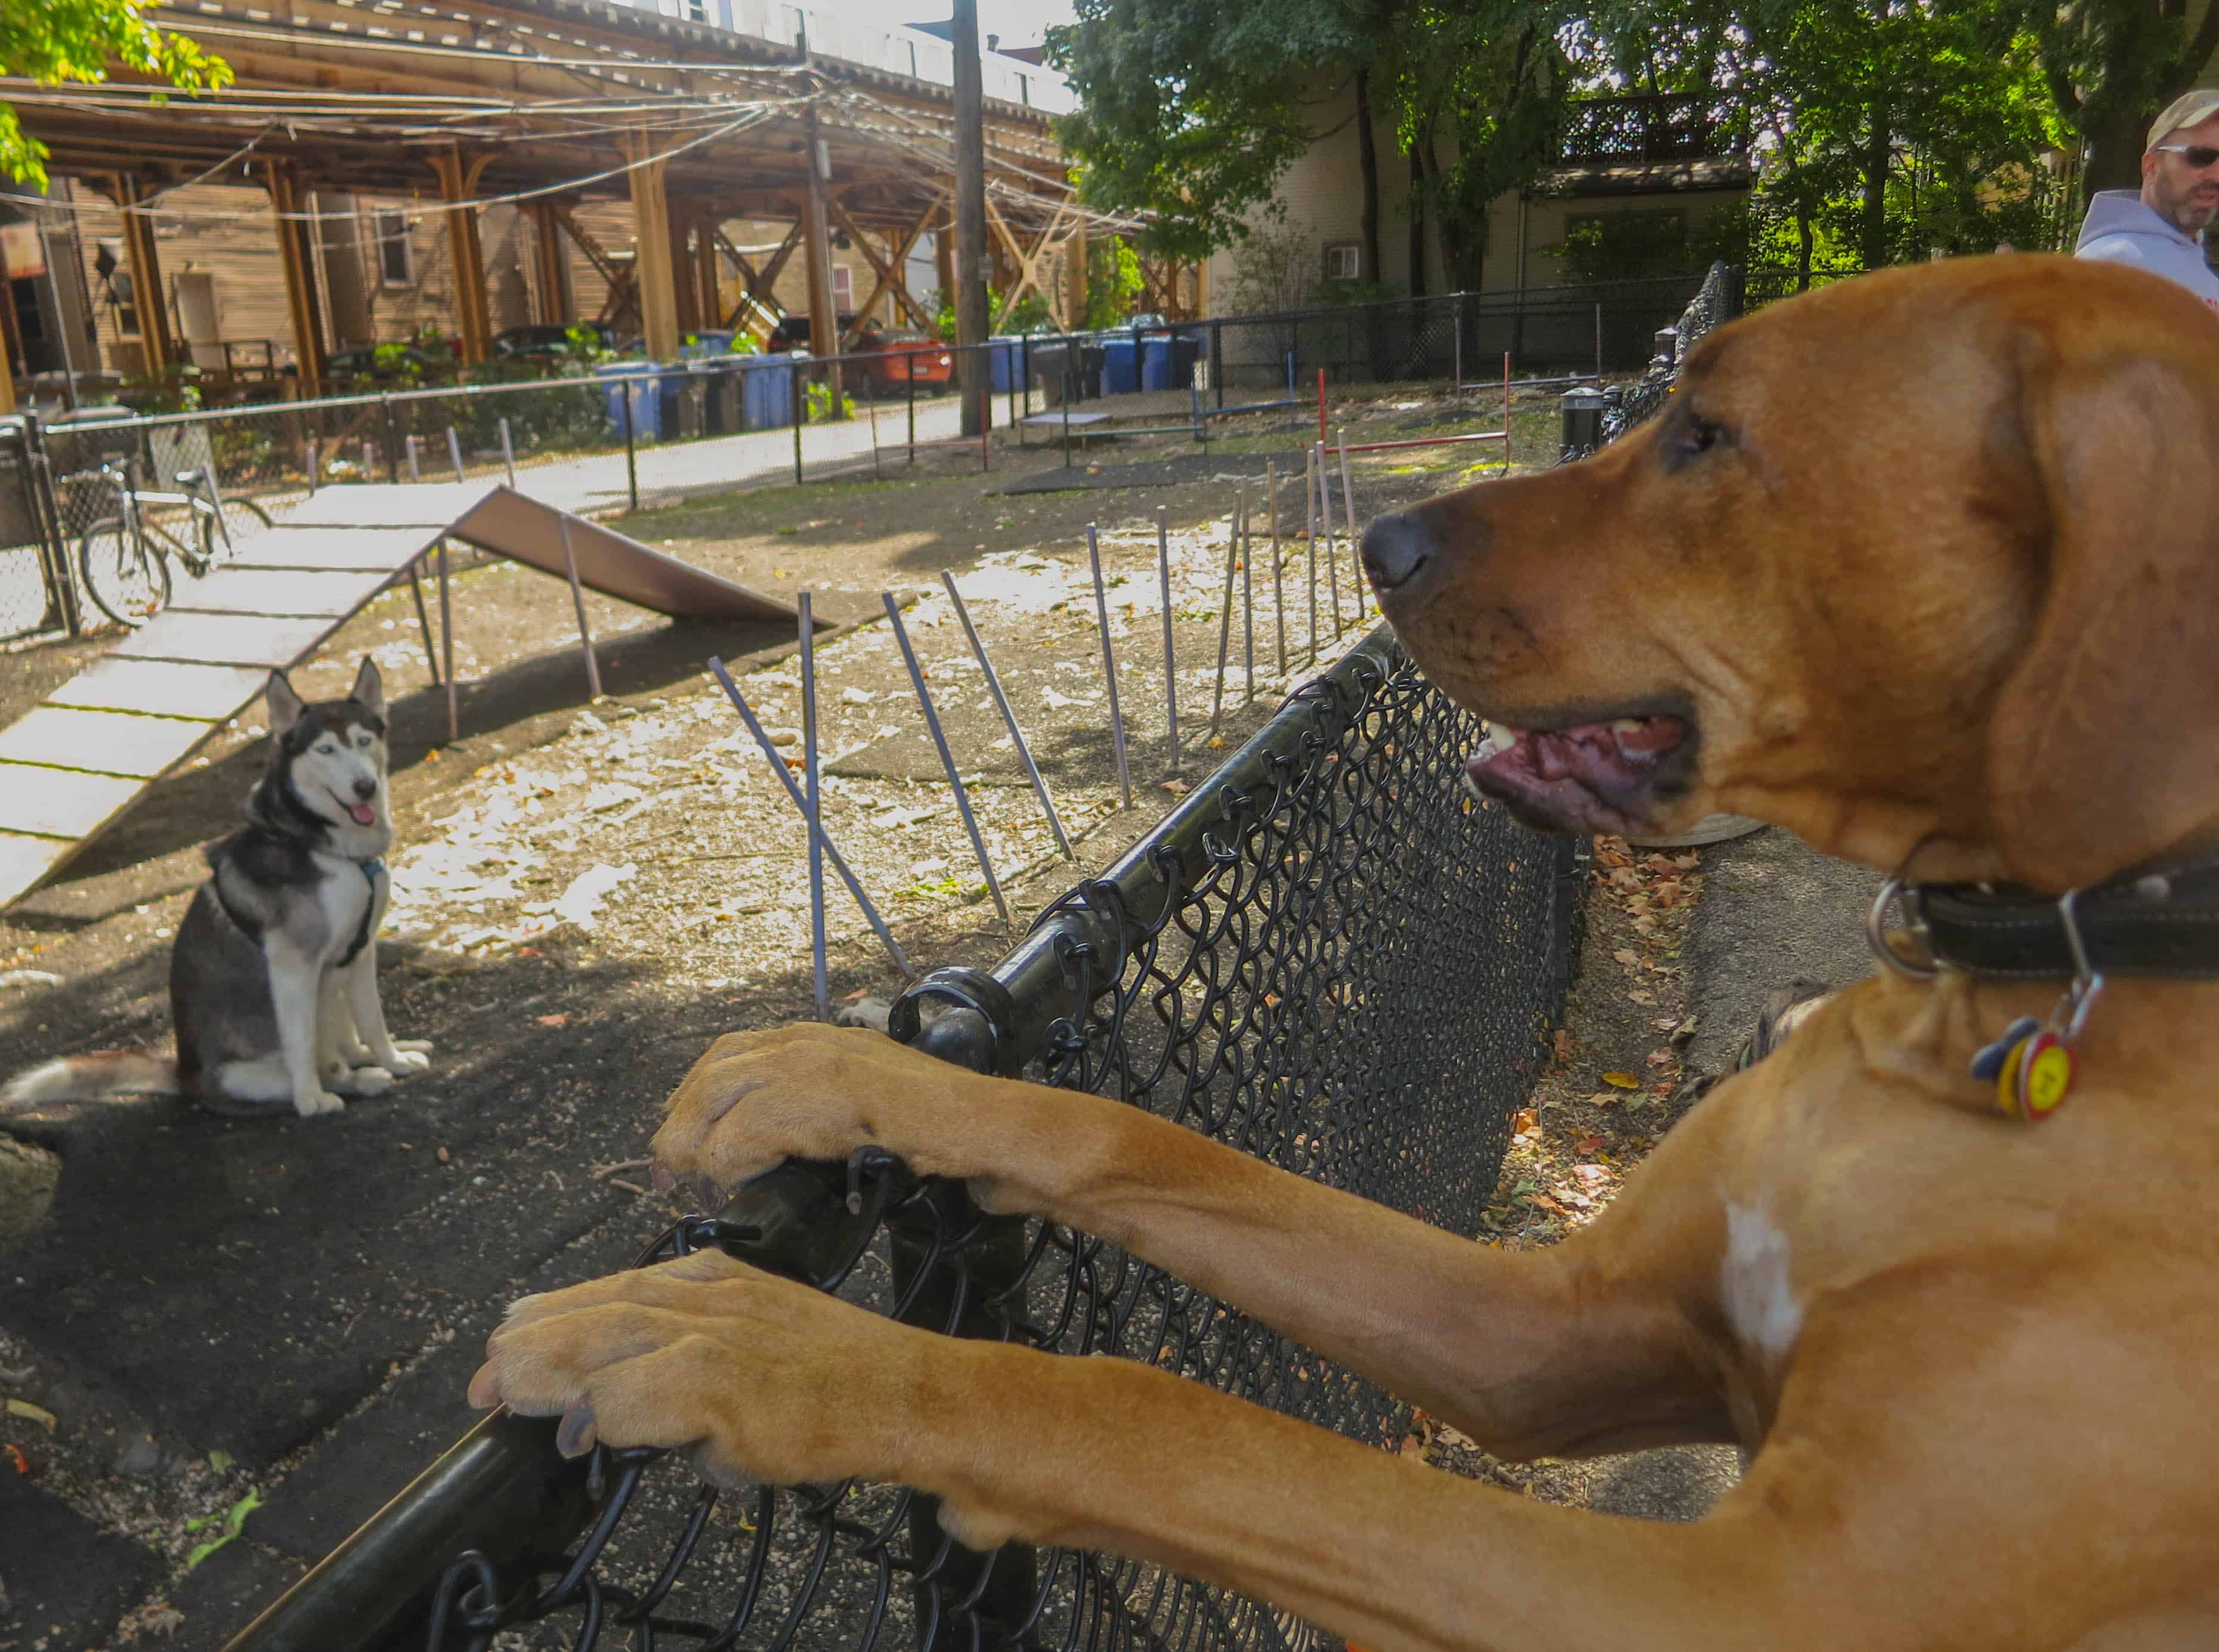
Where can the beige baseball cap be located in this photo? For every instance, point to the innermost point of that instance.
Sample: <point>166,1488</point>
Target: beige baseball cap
<point>2184,110</point>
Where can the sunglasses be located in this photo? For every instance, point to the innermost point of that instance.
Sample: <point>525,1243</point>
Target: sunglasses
<point>2197,155</point>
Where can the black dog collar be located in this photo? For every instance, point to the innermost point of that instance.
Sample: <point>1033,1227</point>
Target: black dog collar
<point>2163,924</point>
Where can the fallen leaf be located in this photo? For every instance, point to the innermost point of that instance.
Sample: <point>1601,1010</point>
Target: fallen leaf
<point>560,1018</point>
<point>234,1518</point>
<point>443,1155</point>
<point>15,1456</point>
<point>1621,1081</point>
<point>30,1413</point>
<point>1642,998</point>
<point>1627,956</point>
<point>219,1460</point>
<point>1603,1098</point>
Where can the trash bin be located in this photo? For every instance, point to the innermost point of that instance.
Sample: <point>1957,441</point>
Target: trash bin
<point>766,392</point>
<point>1005,358</point>
<point>1581,415</point>
<point>1121,365</point>
<point>1050,363</point>
<point>717,380</point>
<point>1167,362</point>
<point>707,343</point>
<point>637,380</point>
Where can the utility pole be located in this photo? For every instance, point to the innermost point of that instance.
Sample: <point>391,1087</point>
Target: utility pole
<point>823,309</point>
<point>976,372</point>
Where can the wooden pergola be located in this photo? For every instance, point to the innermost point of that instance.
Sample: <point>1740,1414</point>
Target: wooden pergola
<point>550,103</point>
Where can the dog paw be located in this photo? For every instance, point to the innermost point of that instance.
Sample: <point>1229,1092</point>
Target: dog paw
<point>364,1081</point>
<point>753,1374</point>
<point>412,1047</point>
<point>401,1058</point>
<point>317,1102</point>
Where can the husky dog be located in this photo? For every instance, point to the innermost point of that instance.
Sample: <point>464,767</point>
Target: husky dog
<point>273,975</point>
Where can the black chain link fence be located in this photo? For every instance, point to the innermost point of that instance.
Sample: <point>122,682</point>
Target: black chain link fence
<point>1331,955</point>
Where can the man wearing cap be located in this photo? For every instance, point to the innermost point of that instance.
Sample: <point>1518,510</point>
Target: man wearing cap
<point>2161,228</point>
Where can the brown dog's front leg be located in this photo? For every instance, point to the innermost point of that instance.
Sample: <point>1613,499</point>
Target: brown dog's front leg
<point>757,1376</point>
<point>1583,1347</point>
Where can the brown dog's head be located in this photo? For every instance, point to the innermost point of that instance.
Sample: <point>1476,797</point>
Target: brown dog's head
<point>1928,559</point>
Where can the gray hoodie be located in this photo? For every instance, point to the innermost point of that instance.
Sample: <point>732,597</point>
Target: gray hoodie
<point>2120,228</point>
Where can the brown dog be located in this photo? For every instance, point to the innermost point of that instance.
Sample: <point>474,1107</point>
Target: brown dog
<point>1926,562</point>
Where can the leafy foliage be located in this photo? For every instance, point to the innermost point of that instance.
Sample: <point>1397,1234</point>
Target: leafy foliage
<point>56,41</point>
<point>1113,281</point>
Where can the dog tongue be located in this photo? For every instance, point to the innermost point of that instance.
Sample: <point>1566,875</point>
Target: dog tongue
<point>362,813</point>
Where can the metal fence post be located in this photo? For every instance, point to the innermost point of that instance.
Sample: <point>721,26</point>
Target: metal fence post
<point>45,504</point>
<point>1456,325</point>
<point>800,402</point>
<point>911,359</point>
<point>1217,361</point>
<point>392,439</point>
<point>631,442</point>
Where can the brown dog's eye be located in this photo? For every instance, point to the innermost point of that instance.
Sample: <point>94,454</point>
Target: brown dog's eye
<point>1696,436</point>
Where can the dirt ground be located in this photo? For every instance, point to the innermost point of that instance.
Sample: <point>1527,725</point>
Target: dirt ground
<point>212,1316</point>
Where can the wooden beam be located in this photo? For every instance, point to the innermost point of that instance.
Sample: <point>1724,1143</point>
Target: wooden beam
<point>684,289</point>
<point>888,268</point>
<point>551,269</point>
<point>287,197</point>
<point>150,297</point>
<point>1028,264</point>
<point>1074,279</point>
<point>708,268</point>
<point>653,271</point>
<point>458,176</point>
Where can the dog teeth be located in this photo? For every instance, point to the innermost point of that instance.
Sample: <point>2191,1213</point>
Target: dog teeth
<point>1627,725</point>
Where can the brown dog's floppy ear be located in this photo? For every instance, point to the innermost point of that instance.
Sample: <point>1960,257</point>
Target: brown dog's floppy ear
<point>284,704</point>
<point>2104,746</point>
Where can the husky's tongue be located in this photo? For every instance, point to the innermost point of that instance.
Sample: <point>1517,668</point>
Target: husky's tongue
<point>362,813</point>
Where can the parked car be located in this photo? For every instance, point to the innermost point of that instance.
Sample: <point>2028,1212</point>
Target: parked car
<point>892,360</point>
<point>547,341</point>
<point>792,333</point>
<point>383,361</point>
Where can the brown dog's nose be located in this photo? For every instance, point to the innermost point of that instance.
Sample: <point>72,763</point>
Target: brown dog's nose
<point>1397,548</point>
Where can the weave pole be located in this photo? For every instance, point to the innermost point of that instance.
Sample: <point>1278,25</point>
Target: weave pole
<point>1348,521</point>
<point>1278,574</point>
<point>1110,666</point>
<point>1225,618</point>
<point>1009,716</point>
<point>415,473</point>
<point>1247,601</point>
<point>1331,541</point>
<point>1171,654</point>
<point>1309,507</point>
<point>578,602</point>
<point>946,756</point>
<point>812,805</point>
<point>1506,413</point>
<point>454,453</point>
<point>818,835</point>
<point>507,453</point>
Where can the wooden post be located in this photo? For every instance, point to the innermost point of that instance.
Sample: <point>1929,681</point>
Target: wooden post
<point>656,282</point>
<point>823,310</point>
<point>971,218</point>
<point>551,265</point>
<point>708,270</point>
<point>458,178</point>
<point>1074,280</point>
<point>149,297</point>
<point>7,376</point>
<point>687,304</point>
<point>288,197</point>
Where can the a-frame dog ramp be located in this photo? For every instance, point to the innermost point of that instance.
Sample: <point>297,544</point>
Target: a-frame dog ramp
<point>78,760</point>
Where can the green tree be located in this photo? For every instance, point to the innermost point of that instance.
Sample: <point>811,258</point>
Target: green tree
<point>55,41</point>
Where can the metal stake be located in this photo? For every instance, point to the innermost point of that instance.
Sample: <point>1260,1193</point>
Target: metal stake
<point>1331,541</point>
<point>812,805</point>
<point>894,953</point>
<point>578,601</point>
<point>454,453</point>
<point>1225,620</point>
<point>423,621</point>
<point>1171,654</point>
<point>315,464</point>
<point>369,463</point>
<point>507,453</point>
<point>1009,716</point>
<point>1110,666</point>
<point>446,639</point>
<point>946,757</point>
<point>415,474</point>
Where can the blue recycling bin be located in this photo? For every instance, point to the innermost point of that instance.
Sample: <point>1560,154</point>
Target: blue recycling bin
<point>638,381</point>
<point>1167,363</point>
<point>767,393</point>
<point>1005,358</point>
<point>1121,365</point>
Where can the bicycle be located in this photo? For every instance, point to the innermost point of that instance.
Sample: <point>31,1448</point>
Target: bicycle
<point>125,558</point>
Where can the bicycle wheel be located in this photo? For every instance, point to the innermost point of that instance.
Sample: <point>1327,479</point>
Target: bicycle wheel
<point>239,514</point>
<point>128,578</point>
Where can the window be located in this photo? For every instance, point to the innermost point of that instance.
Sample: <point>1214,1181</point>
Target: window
<point>843,287</point>
<point>396,253</point>
<point>1344,261</point>
<point>1024,91</point>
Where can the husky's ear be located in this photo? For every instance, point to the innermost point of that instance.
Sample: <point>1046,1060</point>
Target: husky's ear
<point>284,704</point>
<point>370,688</point>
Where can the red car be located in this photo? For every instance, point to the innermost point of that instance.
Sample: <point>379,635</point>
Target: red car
<point>892,359</point>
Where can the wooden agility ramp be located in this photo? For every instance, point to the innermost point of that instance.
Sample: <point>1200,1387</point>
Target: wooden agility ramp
<point>78,760</point>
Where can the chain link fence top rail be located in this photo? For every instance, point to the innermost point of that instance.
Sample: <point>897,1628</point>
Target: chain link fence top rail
<point>1330,955</point>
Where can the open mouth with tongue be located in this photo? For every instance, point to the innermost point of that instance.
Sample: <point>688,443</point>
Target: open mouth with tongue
<point>365,814</point>
<point>1608,776</point>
